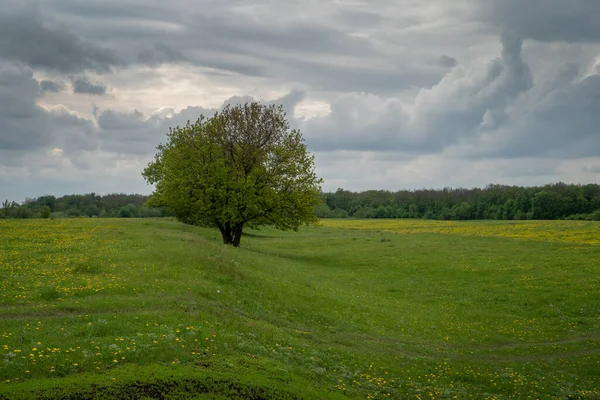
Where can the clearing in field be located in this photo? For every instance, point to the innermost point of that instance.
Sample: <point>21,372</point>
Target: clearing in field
<point>93,308</point>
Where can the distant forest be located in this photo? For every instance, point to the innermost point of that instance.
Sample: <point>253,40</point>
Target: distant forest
<point>496,202</point>
<point>83,205</point>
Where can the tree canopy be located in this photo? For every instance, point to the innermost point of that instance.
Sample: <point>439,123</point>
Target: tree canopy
<point>244,167</point>
<point>495,202</point>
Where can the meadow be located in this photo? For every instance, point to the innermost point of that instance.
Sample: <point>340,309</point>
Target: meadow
<point>365,309</point>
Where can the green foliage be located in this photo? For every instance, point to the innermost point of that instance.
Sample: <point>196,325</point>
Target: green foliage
<point>323,211</point>
<point>243,167</point>
<point>45,212</point>
<point>23,213</point>
<point>128,211</point>
<point>496,202</point>
<point>83,205</point>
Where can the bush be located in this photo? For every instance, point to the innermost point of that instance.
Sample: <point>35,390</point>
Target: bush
<point>365,212</point>
<point>24,213</point>
<point>323,211</point>
<point>595,216</point>
<point>578,217</point>
<point>520,216</point>
<point>45,212</point>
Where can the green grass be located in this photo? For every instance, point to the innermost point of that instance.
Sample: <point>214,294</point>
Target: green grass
<point>156,309</point>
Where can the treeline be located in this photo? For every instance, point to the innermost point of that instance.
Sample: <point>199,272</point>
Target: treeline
<point>83,205</point>
<point>496,202</point>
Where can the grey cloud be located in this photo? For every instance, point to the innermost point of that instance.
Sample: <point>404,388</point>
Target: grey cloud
<point>221,27</point>
<point>20,117</point>
<point>359,18</point>
<point>546,20</point>
<point>595,169</point>
<point>493,111</point>
<point>558,121</point>
<point>447,61</point>
<point>26,38</point>
<point>52,86</point>
<point>357,121</point>
<point>231,37</point>
<point>84,86</point>
<point>290,101</point>
<point>463,101</point>
<point>160,54</point>
<point>237,100</point>
<point>134,133</point>
<point>25,126</point>
<point>448,113</point>
<point>128,133</point>
<point>111,120</point>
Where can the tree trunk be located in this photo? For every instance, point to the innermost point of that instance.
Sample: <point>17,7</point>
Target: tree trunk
<point>237,235</point>
<point>232,234</point>
<point>225,232</point>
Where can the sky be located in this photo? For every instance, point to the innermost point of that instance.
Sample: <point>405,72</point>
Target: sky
<point>401,94</point>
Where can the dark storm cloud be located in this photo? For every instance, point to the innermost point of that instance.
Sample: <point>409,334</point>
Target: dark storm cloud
<point>27,38</point>
<point>84,86</point>
<point>546,20</point>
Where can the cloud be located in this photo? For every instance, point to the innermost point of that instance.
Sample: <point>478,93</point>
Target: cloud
<point>561,120</point>
<point>365,170</point>
<point>20,117</point>
<point>390,94</point>
<point>329,47</point>
<point>134,133</point>
<point>436,118</point>
<point>359,18</point>
<point>83,85</point>
<point>51,86</point>
<point>27,38</point>
<point>592,169</point>
<point>545,20</point>
<point>447,61</point>
<point>27,126</point>
<point>160,54</point>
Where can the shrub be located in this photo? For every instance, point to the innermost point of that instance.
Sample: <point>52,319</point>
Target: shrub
<point>45,212</point>
<point>595,216</point>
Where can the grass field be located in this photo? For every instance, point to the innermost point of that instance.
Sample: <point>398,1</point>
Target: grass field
<point>93,308</point>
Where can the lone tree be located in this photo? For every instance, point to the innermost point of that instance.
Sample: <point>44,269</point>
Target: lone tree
<point>243,167</point>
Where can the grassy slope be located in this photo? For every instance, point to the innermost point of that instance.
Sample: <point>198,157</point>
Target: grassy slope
<point>325,312</point>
